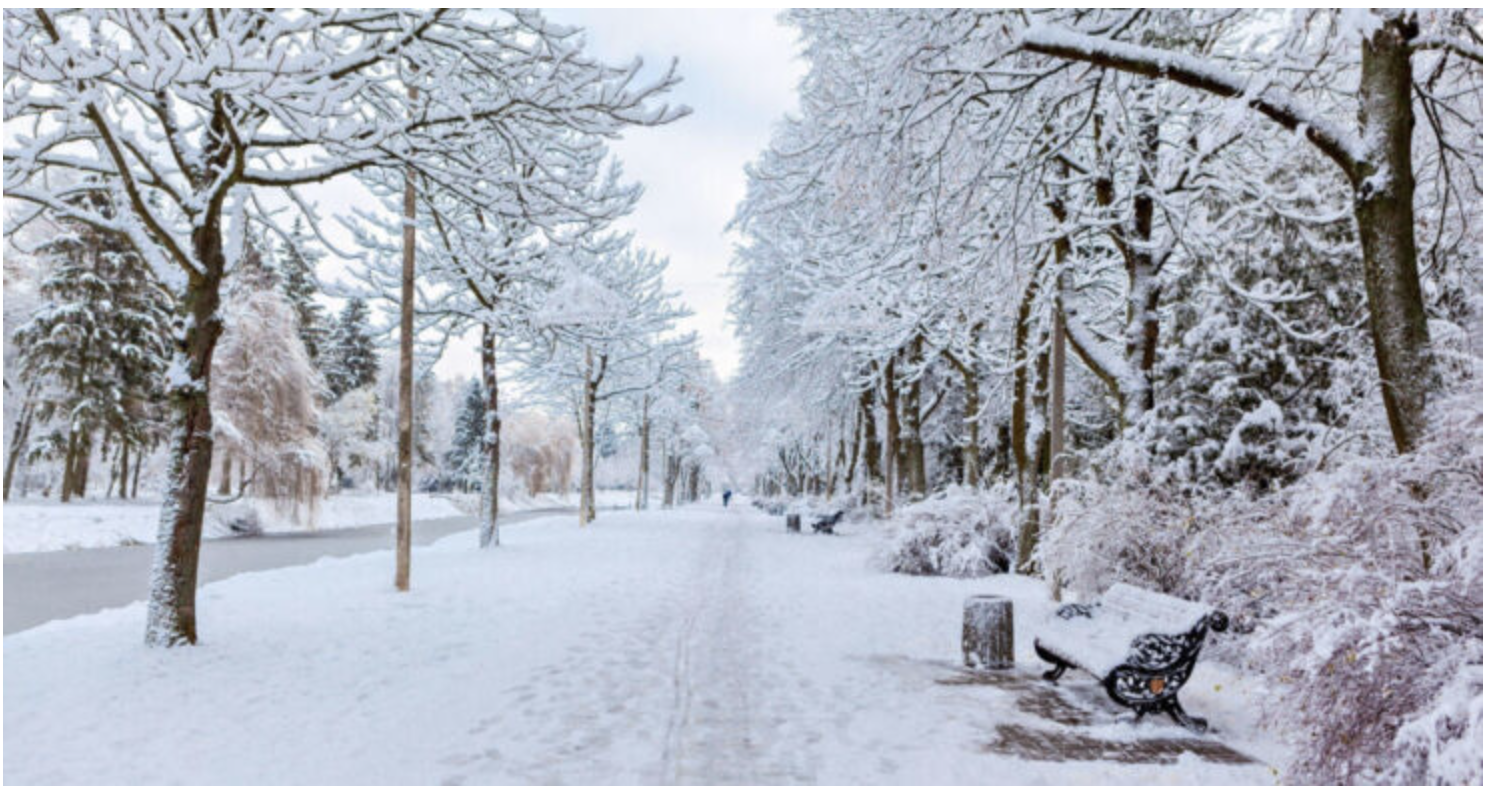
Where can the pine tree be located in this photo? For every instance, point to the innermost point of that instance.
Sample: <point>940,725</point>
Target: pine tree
<point>462,463</point>
<point>297,259</point>
<point>98,347</point>
<point>350,359</point>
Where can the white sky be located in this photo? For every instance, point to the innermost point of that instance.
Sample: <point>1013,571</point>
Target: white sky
<point>739,72</point>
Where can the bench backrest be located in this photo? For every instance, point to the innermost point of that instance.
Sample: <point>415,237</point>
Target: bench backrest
<point>1170,613</point>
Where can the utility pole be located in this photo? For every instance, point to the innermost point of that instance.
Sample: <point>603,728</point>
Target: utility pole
<point>405,385</point>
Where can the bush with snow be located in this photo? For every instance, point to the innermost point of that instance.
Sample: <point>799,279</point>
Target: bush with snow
<point>1358,590</point>
<point>959,532</point>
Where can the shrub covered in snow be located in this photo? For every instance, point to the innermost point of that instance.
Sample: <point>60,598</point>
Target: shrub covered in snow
<point>959,532</point>
<point>1358,589</point>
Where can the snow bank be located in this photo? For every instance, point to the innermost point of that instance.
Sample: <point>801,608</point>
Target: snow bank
<point>690,646</point>
<point>36,526</point>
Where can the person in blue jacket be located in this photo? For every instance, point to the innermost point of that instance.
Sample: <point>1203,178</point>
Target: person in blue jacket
<point>726,495</point>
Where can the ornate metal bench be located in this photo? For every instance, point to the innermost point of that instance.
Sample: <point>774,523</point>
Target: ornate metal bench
<point>1141,645</point>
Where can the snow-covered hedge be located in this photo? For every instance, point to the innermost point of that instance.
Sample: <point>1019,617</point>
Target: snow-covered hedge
<point>959,533</point>
<point>1358,590</point>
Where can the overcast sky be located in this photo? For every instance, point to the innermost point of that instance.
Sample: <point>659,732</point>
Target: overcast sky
<point>739,73</point>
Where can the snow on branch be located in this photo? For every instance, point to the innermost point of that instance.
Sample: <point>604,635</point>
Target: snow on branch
<point>1340,145</point>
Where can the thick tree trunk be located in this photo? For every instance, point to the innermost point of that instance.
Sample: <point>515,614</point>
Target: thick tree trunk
<point>490,533</point>
<point>171,620</point>
<point>1384,190</point>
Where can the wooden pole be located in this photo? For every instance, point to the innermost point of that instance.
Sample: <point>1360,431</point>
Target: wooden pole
<point>405,387</point>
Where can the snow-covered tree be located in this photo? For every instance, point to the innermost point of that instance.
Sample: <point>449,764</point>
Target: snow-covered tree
<point>266,395</point>
<point>349,359</point>
<point>188,116</point>
<point>295,261</point>
<point>94,350</point>
<point>594,335</point>
<point>463,463</point>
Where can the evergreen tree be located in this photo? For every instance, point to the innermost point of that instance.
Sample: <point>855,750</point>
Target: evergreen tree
<point>98,346</point>
<point>462,463</point>
<point>350,359</point>
<point>297,259</point>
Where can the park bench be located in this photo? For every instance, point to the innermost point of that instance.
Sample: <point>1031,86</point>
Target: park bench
<point>826,524</point>
<point>1141,645</point>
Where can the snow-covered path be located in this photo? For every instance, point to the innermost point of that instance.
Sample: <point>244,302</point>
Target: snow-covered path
<point>696,646</point>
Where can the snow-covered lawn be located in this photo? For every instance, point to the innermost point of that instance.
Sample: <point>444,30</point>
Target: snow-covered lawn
<point>36,525</point>
<point>697,645</point>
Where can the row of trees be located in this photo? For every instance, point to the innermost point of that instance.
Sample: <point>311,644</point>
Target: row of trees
<point>187,136</point>
<point>994,243</point>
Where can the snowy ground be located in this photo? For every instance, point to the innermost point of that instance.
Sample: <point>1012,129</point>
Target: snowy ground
<point>690,646</point>
<point>36,525</point>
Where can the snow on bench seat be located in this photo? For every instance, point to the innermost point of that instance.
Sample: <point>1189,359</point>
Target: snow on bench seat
<point>1140,644</point>
<point>1125,613</point>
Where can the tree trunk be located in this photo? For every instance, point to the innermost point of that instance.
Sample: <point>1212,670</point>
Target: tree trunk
<point>669,483</point>
<point>1143,290</point>
<point>1056,395</point>
<point>171,620</point>
<point>124,469</point>
<point>69,466</point>
<point>139,458</point>
<point>1384,208</point>
<point>1028,534</point>
<point>490,533</point>
<point>586,442</point>
<point>971,449</point>
<point>224,481</point>
<point>872,455</point>
<point>1020,386</point>
<point>915,447</point>
<point>21,434</point>
<point>891,437</point>
<point>404,550</point>
<point>84,461</point>
<point>851,467</point>
<point>113,478</point>
<point>643,476</point>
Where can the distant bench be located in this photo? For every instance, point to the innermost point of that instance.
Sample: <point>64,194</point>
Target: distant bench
<point>1141,645</point>
<point>826,524</point>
